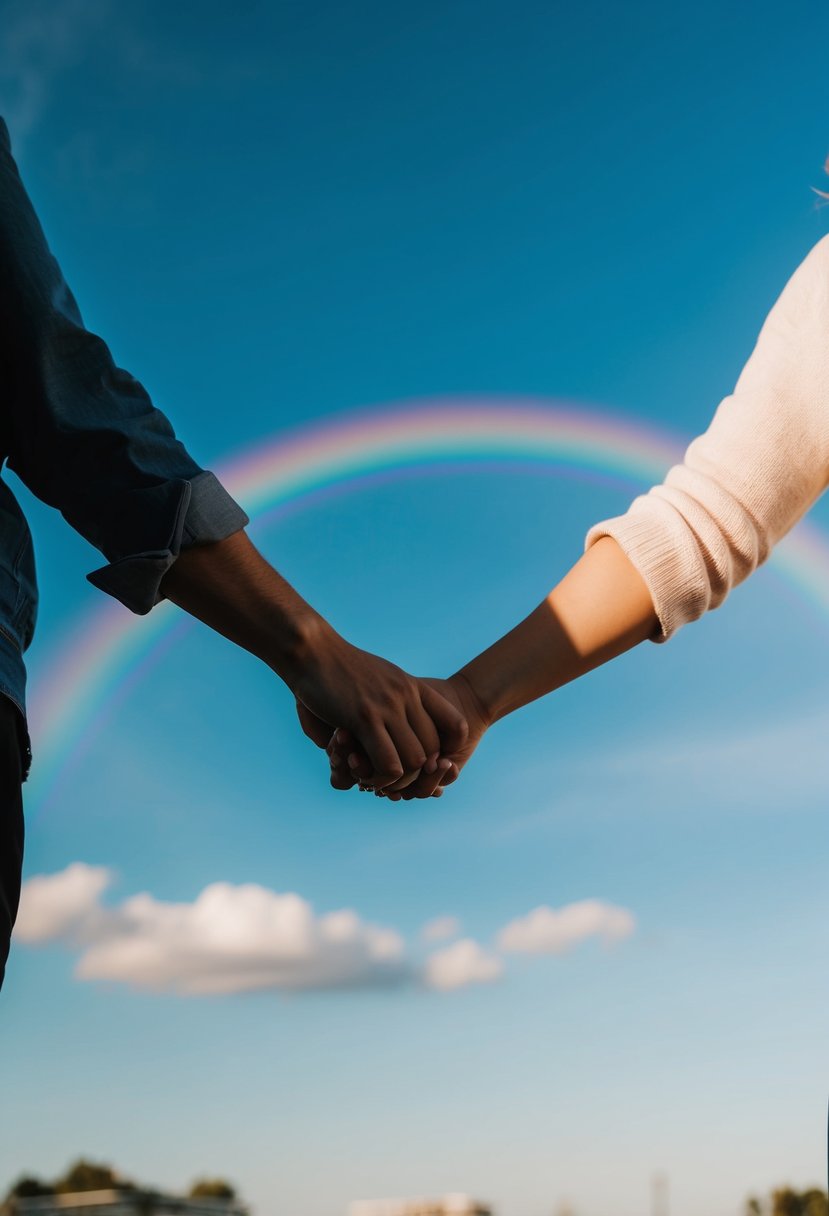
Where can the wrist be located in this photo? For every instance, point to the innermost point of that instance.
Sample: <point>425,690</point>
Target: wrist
<point>297,643</point>
<point>517,669</point>
<point>473,697</point>
<point>233,589</point>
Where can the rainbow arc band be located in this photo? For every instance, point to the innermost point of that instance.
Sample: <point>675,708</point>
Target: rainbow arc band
<point>104,655</point>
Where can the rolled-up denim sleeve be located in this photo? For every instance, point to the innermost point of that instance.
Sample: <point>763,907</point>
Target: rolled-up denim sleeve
<point>82,433</point>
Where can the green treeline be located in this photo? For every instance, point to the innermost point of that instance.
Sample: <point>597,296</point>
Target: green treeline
<point>787,1202</point>
<point>85,1175</point>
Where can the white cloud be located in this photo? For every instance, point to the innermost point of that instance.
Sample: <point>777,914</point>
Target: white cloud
<point>229,939</point>
<point>441,928</point>
<point>464,962</point>
<point>244,938</point>
<point>548,930</point>
<point>63,906</point>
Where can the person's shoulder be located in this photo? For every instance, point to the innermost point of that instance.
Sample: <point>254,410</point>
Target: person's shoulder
<point>807,288</point>
<point>816,260</point>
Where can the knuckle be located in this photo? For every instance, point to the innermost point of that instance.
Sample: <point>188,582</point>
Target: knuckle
<point>392,773</point>
<point>366,711</point>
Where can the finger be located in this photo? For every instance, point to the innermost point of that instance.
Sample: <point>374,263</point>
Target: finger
<point>359,766</point>
<point>410,749</point>
<point>341,775</point>
<point>383,754</point>
<point>450,775</point>
<point>449,722</point>
<point>344,739</point>
<point>427,733</point>
<point>342,780</point>
<point>427,783</point>
<point>429,769</point>
<point>346,754</point>
<point>401,783</point>
<point>344,746</point>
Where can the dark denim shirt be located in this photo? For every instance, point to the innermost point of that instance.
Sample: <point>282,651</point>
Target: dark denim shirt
<point>83,435</point>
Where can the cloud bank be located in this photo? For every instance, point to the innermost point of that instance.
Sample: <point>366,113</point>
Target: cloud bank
<point>232,939</point>
<point>229,939</point>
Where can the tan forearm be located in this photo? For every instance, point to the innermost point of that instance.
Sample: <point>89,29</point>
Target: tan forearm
<point>233,589</point>
<point>400,722</point>
<point>600,609</point>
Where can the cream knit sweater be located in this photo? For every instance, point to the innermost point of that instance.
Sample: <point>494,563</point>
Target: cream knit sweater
<point>757,469</point>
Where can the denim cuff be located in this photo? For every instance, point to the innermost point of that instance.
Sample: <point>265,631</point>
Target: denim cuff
<point>204,512</point>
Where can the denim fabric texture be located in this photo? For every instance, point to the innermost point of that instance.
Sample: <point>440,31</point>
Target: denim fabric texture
<point>84,436</point>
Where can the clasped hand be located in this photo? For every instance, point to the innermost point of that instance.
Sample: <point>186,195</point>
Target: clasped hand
<point>384,730</point>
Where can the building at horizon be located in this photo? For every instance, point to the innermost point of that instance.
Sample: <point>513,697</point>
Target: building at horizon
<point>453,1204</point>
<point>124,1202</point>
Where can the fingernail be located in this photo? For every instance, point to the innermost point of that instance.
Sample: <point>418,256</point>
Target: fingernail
<point>353,760</point>
<point>444,765</point>
<point>431,764</point>
<point>340,736</point>
<point>335,758</point>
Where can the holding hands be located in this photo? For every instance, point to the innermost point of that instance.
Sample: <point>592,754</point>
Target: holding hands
<point>351,764</point>
<point>383,729</point>
<point>600,609</point>
<point>395,731</point>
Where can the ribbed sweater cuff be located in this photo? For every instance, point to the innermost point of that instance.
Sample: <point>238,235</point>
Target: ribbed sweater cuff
<point>656,541</point>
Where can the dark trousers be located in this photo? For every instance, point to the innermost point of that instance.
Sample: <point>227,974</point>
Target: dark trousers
<point>11,821</point>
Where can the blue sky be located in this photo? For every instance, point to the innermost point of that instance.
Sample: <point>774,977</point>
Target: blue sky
<point>298,211</point>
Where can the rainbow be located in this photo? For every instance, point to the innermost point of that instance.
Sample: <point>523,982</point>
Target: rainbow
<point>98,661</point>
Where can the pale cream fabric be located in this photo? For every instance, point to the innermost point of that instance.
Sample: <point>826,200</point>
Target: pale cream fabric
<point>757,469</point>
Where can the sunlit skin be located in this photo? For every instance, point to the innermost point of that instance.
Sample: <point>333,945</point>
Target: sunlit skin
<point>401,724</point>
<point>599,610</point>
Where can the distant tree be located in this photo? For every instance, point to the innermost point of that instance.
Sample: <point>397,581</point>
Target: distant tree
<point>786,1201</point>
<point>216,1188</point>
<point>27,1187</point>
<point>815,1202</point>
<point>86,1175</point>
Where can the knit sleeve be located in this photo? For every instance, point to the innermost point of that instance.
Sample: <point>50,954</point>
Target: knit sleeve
<point>751,476</point>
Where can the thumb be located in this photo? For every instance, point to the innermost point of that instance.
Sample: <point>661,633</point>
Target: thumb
<point>449,722</point>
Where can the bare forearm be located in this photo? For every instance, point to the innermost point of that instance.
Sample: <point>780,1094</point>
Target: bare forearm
<point>401,723</point>
<point>230,587</point>
<point>600,609</point>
